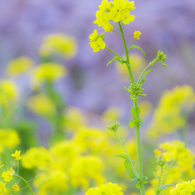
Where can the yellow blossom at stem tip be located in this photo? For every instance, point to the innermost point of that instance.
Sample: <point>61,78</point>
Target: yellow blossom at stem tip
<point>137,34</point>
<point>17,155</point>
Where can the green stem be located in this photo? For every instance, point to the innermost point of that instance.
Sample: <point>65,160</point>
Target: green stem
<point>150,64</point>
<point>132,165</point>
<point>169,168</point>
<point>159,180</point>
<point>27,184</point>
<point>127,54</point>
<point>139,152</point>
<point>114,52</point>
<point>117,33</point>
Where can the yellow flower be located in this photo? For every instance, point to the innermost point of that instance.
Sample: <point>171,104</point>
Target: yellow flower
<point>9,138</point>
<point>16,187</point>
<point>8,175</point>
<point>97,41</point>
<point>42,105</point>
<point>137,34</point>
<point>106,189</point>
<point>59,44</point>
<point>19,66</point>
<point>17,155</point>
<point>48,72</point>
<point>3,188</point>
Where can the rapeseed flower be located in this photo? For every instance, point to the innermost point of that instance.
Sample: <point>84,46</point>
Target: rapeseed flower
<point>16,187</point>
<point>97,41</point>
<point>105,189</point>
<point>59,44</point>
<point>19,66</point>
<point>114,11</point>
<point>3,189</point>
<point>137,34</point>
<point>49,71</point>
<point>17,155</point>
<point>8,175</point>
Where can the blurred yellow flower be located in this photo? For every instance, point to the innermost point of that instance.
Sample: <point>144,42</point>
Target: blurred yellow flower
<point>111,115</point>
<point>59,44</point>
<point>42,105</point>
<point>48,72</point>
<point>170,115</point>
<point>8,175</point>
<point>8,92</point>
<point>16,187</point>
<point>137,65</point>
<point>19,66</point>
<point>9,138</point>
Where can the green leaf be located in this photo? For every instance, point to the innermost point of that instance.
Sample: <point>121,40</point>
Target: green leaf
<point>164,188</point>
<point>130,171</point>
<point>144,75</point>
<point>137,110</point>
<point>137,47</point>
<point>122,156</point>
<point>131,123</point>
<point>114,58</point>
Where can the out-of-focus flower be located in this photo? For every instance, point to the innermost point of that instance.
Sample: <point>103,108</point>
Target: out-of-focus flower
<point>170,115</point>
<point>48,72</point>
<point>19,66</point>
<point>9,138</point>
<point>146,108</point>
<point>106,189</point>
<point>42,105</point>
<point>111,115</point>
<point>16,187</point>
<point>8,92</point>
<point>8,175</point>
<point>59,44</point>
<point>137,65</point>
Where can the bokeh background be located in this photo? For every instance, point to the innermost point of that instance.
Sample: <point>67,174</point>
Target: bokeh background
<point>89,85</point>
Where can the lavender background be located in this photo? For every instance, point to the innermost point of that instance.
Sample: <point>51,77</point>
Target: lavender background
<point>167,25</point>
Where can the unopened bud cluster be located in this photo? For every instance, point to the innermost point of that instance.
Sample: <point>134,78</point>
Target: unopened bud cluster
<point>161,57</point>
<point>135,90</point>
<point>161,162</point>
<point>113,127</point>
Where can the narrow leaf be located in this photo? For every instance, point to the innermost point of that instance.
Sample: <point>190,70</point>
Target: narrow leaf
<point>130,171</point>
<point>164,187</point>
<point>122,156</point>
<point>114,58</point>
<point>131,123</point>
<point>137,47</point>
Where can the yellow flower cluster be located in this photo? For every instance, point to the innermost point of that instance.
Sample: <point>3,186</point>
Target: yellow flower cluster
<point>9,138</point>
<point>42,105</point>
<point>114,11</point>
<point>8,93</point>
<point>8,176</point>
<point>48,72</point>
<point>65,161</point>
<point>105,189</point>
<point>59,44</point>
<point>19,66</point>
<point>185,188</point>
<point>97,41</point>
<point>170,114</point>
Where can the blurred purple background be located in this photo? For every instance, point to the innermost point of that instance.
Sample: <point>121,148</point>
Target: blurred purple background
<point>167,25</point>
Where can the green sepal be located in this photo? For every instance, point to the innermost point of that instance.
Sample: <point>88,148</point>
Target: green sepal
<point>163,188</point>
<point>141,122</point>
<point>137,47</point>
<point>114,58</point>
<point>132,123</point>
